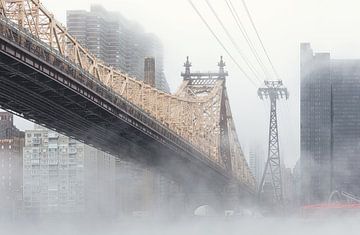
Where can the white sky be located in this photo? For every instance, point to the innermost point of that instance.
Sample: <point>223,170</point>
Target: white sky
<point>330,25</point>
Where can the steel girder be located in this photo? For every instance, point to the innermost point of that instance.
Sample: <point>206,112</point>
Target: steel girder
<point>202,121</point>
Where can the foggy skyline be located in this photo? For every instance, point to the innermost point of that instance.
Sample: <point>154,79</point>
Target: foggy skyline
<point>282,25</point>
<point>268,142</point>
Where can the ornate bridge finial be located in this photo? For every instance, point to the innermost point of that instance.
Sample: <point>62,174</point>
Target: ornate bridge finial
<point>221,65</point>
<point>187,66</point>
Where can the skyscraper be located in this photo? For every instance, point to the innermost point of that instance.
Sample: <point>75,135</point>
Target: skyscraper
<point>100,32</point>
<point>118,42</point>
<point>330,125</point>
<point>11,147</point>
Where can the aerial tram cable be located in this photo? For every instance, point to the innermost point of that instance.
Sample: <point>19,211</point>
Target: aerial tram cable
<point>243,31</point>
<point>221,44</point>
<point>243,56</point>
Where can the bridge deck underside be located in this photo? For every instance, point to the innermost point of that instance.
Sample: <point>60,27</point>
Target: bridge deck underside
<point>61,106</point>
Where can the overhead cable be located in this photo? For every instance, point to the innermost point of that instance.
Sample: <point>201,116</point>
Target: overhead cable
<point>243,56</point>
<point>220,43</point>
<point>259,38</point>
<point>243,31</point>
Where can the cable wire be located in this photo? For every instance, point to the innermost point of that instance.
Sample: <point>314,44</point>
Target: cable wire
<point>221,44</point>
<point>246,60</point>
<point>243,31</point>
<point>258,36</point>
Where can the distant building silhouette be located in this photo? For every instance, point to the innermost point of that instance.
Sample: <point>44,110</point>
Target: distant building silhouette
<point>11,147</point>
<point>257,162</point>
<point>117,41</point>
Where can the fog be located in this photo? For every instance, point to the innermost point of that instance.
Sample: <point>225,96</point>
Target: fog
<point>283,24</point>
<point>328,25</point>
<point>117,205</point>
<point>197,226</point>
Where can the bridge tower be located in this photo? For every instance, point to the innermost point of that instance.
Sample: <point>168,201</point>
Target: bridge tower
<point>273,91</point>
<point>200,84</point>
<point>216,117</point>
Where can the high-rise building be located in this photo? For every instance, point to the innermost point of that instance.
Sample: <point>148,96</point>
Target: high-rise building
<point>100,32</point>
<point>64,176</point>
<point>257,162</point>
<point>118,42</point>
<point>330,125</point>
<point>11,146</point>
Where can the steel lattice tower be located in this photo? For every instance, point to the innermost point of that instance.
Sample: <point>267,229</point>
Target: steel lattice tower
<point>274,91</point>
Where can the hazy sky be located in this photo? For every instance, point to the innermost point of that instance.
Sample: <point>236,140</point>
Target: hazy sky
<point>330,25</point>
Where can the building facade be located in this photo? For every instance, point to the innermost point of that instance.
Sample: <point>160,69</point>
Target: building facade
<point>257,162</point>
<point>11,147</point>
<point>64,176</point>
<point>330,125</point>
<point>118,42</point>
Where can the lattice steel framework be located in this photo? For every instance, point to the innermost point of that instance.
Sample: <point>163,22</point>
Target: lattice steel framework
<point>199,112</point>
<point>273,90</point>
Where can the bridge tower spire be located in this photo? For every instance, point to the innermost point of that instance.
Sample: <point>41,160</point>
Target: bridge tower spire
<point>187,66</point>
<point>221,65</point>
<point>273,90</point>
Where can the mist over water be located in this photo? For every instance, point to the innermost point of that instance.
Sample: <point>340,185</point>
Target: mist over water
<point>191,226</point>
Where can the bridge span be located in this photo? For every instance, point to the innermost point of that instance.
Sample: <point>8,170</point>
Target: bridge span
<point>47,77</point>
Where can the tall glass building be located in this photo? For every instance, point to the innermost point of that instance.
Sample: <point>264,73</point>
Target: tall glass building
<point>330,125</point>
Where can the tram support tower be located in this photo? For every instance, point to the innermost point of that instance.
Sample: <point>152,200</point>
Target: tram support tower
<point>273,90</point>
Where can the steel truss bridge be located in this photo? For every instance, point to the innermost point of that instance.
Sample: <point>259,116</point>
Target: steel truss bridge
<point>47,77</point>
